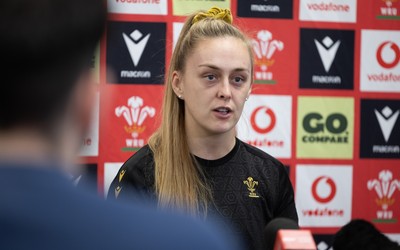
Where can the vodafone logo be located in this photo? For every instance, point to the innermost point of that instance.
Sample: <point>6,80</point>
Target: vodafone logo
<point>380,60</point>
<point>324,194</point>
<point>322,6</point>
<point>328,10</point>
<point>323,189</point>
<point>263,120</point>
<point>388,54</point>
<point>266,123</point>
<point>158,7</point>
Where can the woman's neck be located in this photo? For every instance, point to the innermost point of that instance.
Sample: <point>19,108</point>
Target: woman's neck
<point>212,147</point>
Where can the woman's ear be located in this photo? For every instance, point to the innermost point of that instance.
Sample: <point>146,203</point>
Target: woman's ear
<point>177,84</point>
<point>248,93</point>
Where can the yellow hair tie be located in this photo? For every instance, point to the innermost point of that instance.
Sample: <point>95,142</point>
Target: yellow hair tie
<point>216,13</point>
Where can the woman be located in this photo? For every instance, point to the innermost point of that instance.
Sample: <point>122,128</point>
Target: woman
<point>194,162</point>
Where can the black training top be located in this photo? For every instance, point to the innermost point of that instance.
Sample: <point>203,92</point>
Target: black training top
<point>249,188</point>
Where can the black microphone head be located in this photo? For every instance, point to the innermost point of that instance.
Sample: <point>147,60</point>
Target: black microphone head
<point>272,228</point>
<point>362,234</point>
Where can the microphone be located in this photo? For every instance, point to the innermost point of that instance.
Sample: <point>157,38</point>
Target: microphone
<point>285,234</point>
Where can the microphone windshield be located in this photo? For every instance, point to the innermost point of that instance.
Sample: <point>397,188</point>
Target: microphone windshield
<point>274,226</point>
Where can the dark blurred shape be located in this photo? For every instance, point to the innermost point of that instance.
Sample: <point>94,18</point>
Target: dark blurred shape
<point>362,234</point>
<point>87,178</point>
<point>44,45</point>
<point>274,226</point>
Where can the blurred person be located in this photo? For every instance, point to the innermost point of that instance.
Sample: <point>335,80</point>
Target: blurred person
<point>46,99</point>
<point>360,234</point>
<point>194,162</point>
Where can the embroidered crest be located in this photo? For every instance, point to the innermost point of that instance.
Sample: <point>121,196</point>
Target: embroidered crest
<point>251,184</point>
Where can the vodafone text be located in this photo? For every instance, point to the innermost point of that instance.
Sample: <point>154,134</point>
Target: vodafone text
<point>323,212</point>
<point>266,143</point>
<point>329,7</point>
<point>382,77</point>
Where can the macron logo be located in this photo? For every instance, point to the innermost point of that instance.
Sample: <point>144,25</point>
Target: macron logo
<point>135,46</point>
<point>327,51</point>
<point>387,119</point>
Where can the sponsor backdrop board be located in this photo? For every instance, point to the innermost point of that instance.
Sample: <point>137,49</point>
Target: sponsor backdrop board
<point>325,99</point>
<point>325,127</point>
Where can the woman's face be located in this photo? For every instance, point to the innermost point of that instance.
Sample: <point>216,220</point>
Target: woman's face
<point>214,85</point>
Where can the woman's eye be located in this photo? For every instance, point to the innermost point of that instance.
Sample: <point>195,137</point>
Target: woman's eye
<point>238,79</point>
<point>210,77</point>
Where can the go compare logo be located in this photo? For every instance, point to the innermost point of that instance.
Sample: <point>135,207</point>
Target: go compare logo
<point>325,127</point>
<point>335,124</point>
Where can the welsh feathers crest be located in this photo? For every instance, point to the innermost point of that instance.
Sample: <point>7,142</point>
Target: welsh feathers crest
<point>135,114</point>
<point>384,187</point>
<point>264,48</point>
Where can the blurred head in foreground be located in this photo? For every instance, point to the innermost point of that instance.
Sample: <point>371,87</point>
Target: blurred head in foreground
<point>46,49</point>
<point>46,99</point>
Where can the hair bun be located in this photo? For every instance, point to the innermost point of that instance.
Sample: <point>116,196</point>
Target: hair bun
<point>216,13</point>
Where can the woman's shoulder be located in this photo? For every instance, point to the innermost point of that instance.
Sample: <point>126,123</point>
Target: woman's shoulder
<point>135,178</point>
<point>142,159</point>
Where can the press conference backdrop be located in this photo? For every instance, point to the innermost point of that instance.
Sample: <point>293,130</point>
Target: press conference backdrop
<point>325,100</point>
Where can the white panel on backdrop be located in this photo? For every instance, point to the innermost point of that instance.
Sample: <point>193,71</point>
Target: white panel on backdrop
<point>90,144</point>
<point>177,27</point>
<point>341,11</point>
<point>394,237</point>
<point>152,7</point>
<point>380,61</point>
<point>110,171</point>
<point>324,195</point>
<point>266,123</point>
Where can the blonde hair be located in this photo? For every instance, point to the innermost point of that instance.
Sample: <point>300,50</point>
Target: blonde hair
<point>179,181</point>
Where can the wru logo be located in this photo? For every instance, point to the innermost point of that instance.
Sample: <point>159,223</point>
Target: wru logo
<point>264,48</point>
<point>135,114</point>
<point>251,184</point>
<point>384,188</point>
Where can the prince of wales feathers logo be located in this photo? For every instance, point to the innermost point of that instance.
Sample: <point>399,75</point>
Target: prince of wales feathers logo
<point>384,188</point>
<point>135,114</point>
<point>251,186</point>
<point>264,48</point>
